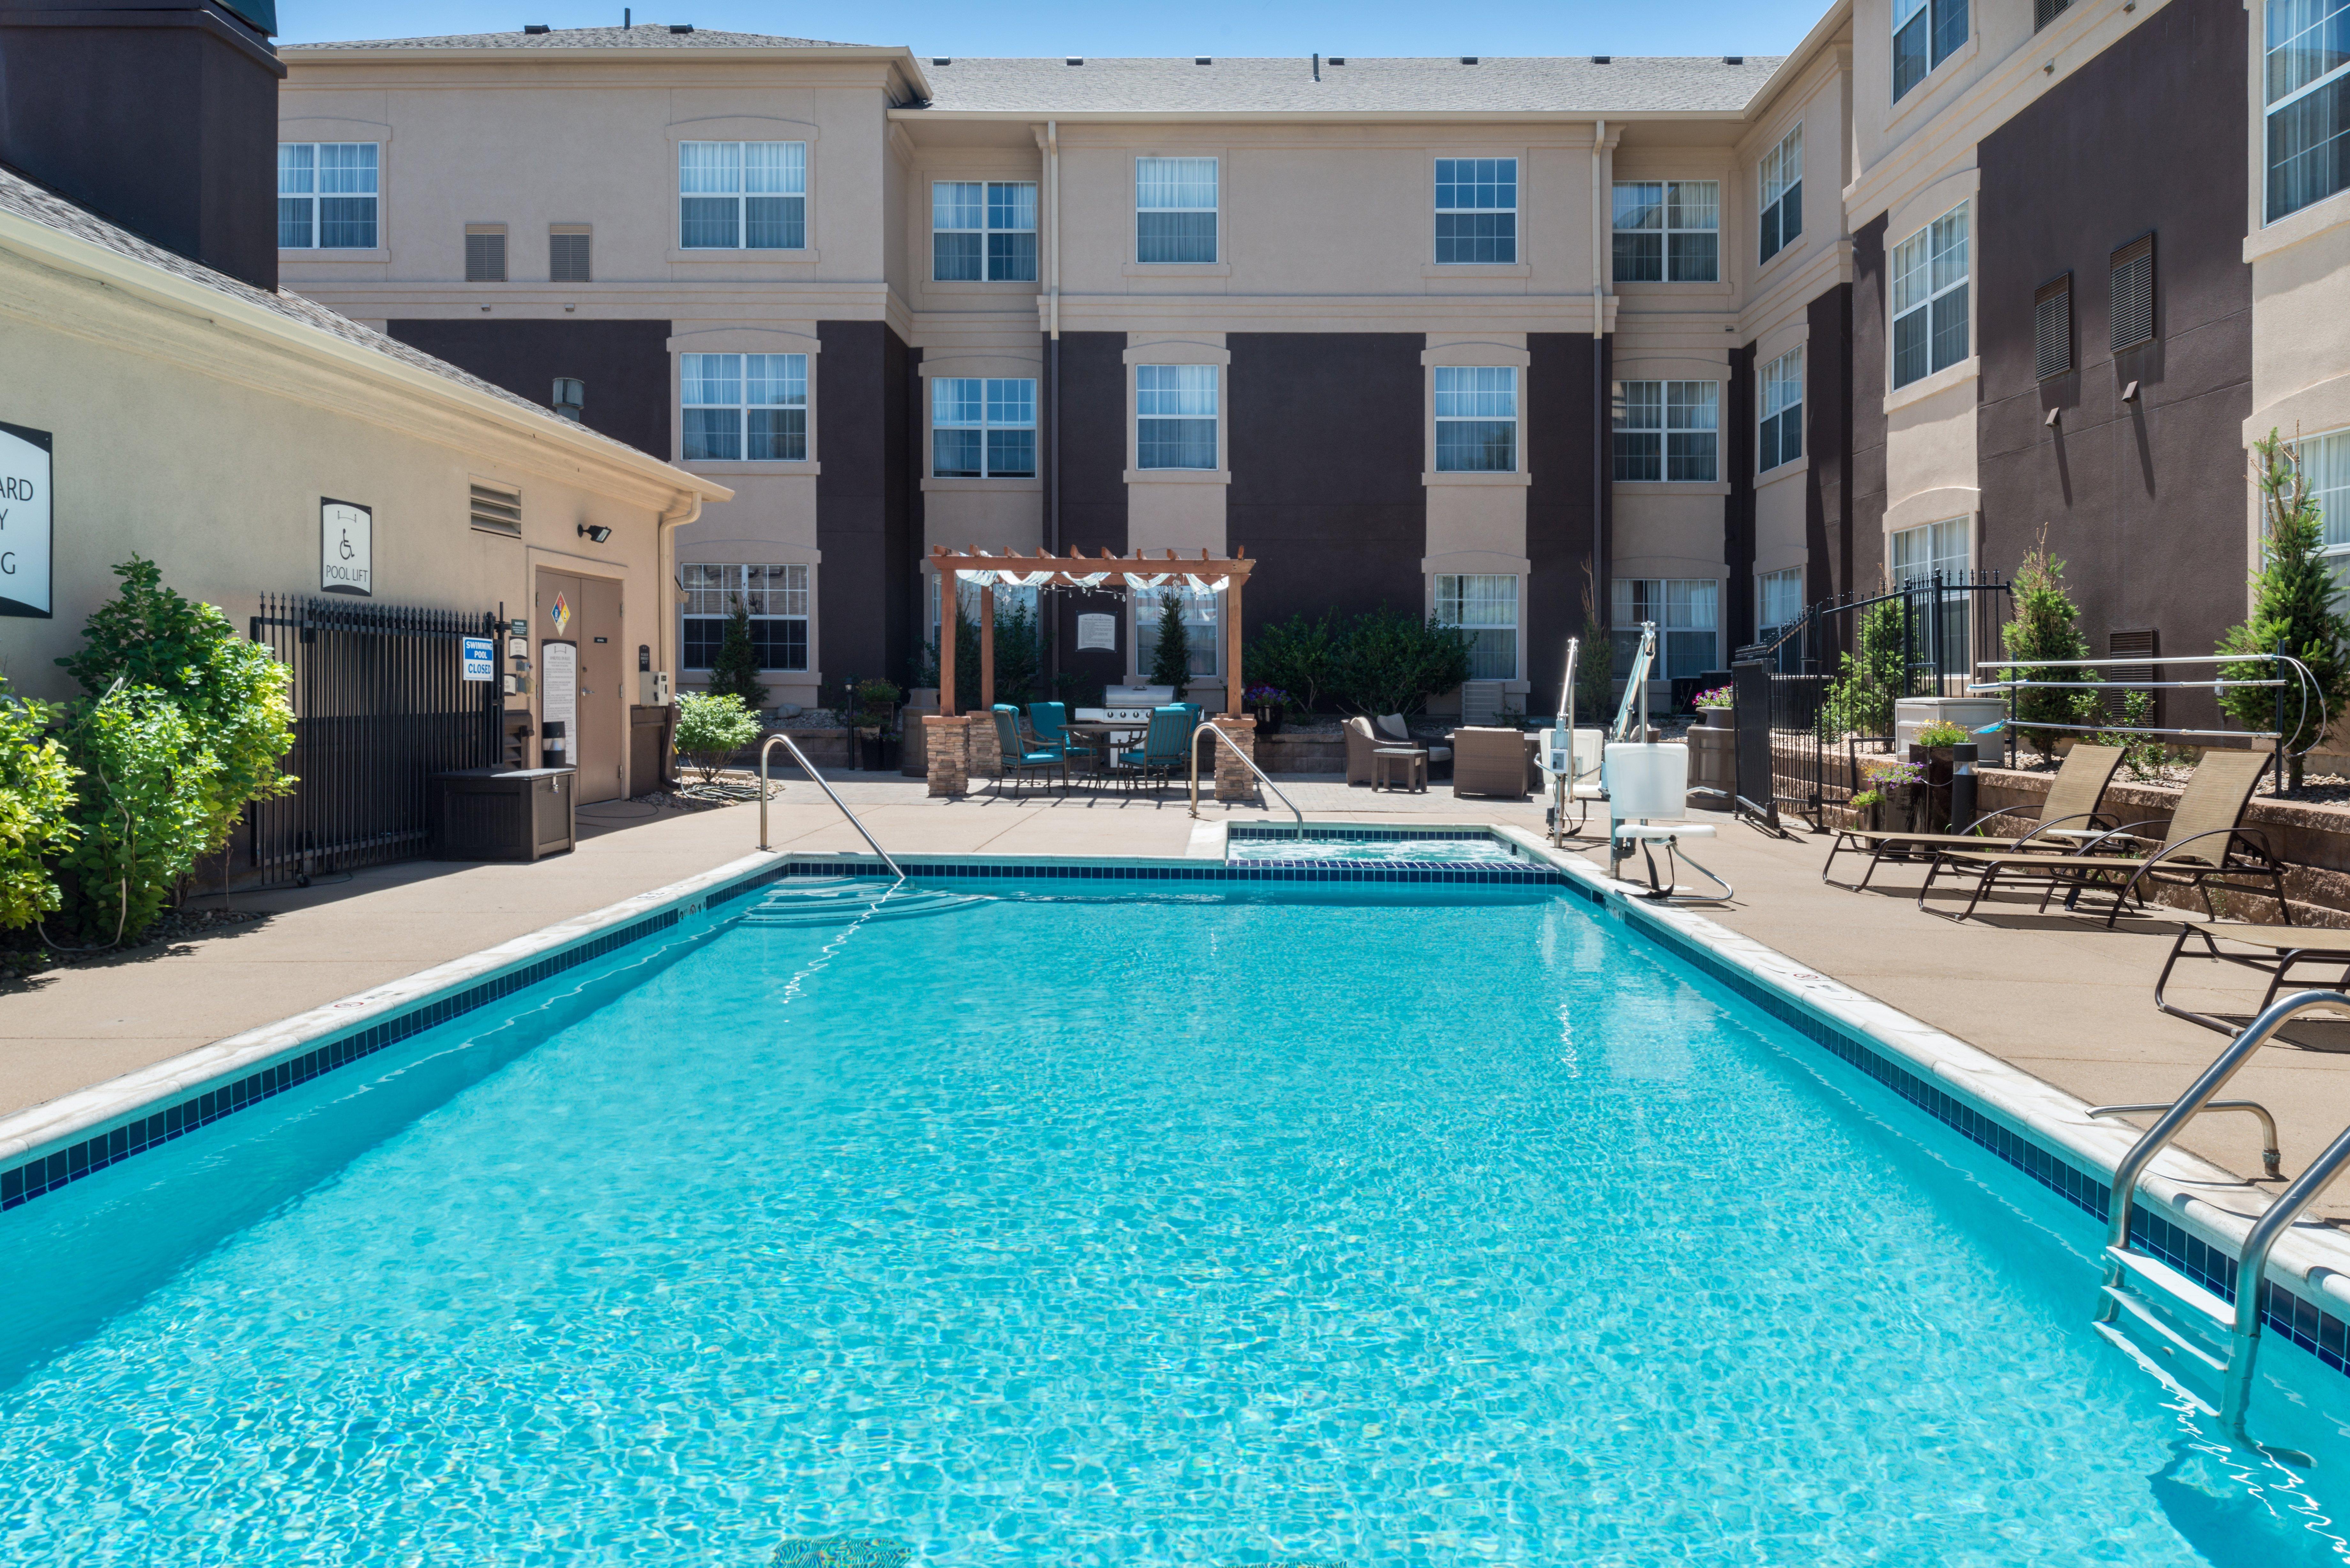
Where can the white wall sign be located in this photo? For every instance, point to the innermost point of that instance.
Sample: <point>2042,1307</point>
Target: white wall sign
<point>558,697</point>
<point>1097,631</point>
<point>480,658</point>
<point>25,521</point>
<point>345,548</point>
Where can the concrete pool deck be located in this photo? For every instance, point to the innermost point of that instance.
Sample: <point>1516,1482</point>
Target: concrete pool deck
<point>2057,996</point>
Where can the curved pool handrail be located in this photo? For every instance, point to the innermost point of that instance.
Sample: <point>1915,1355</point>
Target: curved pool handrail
<point>1208,727</point>
<point>780,739</point>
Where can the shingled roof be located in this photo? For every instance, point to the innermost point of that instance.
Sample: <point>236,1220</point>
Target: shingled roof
<point>1361,85</point>
<point>643,35</point>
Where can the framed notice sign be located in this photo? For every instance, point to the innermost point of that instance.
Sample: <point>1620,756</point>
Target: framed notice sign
<point>25,521</point>
<point>1097,631</point>
<point>558,699</point>
<point>345,548</point>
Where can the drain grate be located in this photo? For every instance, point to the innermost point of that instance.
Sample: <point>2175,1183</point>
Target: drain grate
<point>842,1551</point>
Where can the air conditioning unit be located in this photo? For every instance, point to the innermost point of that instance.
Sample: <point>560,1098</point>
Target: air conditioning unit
<point>653,688</point>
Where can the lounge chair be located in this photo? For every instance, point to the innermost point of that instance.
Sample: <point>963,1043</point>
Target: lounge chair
<point>1165,745</point>
<point>2068,818</point>
<point>1019,756</point>
<point>1390,731</point>
<point>2288,947</point>
<point>1493,763</point>
<point>2205,847</point>
<point>1361,742</point>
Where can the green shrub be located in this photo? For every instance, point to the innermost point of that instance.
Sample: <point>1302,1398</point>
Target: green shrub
<point>1595,672</point>
<point>141,815</point>
<point>1019,656</point>
<point>36,799</point>
<point>2045,626</point>
<point>1941,733</point>
<point>872,702</point>
<point>2294,611</point>
<point>1298,655</point>
<point>926,668</point>
<point>1170,661</point>
<point>712,727</point>
<point>2142,754</point>
<point>736,670</point>
<point>1390,663</point>
<point>1859,702</point>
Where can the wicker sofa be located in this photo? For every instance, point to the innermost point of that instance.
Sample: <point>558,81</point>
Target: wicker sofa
<point>1493,762</point>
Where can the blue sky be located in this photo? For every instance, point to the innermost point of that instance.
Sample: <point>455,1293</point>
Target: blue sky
<point>1110,27</point>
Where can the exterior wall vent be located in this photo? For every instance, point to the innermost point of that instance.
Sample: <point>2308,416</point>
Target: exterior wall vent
<point>2133,293</point>
<point>1203,60</point>
<point>485,253</point>
<point>2046,11</point>
<point>496,510</point>
<point>1074,60</point>
<point>2052,328</point>
<point>1338,60</point>
<point>1603,59</point>
<point>1468,59</point>
<point>535,29</point>
<point>1733,59</point>
<point>680,27</point>
<point>942,60</point>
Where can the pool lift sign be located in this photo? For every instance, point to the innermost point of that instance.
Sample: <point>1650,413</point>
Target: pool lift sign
<point>25,521</point>
<point>345,548</point>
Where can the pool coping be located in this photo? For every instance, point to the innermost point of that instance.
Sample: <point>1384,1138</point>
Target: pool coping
<point>2032,1126</point>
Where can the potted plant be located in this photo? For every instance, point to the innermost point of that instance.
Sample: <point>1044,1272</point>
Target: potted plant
<point>1716,707</point>
<point>1937,750</point>
<point>1904,787</point>
<point>873,704</point>
<point>1869,811</point>
<point>1267,702</point>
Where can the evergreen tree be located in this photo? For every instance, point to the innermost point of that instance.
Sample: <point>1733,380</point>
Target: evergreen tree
<point>2293,611</point>
<point>1170,661</point>
<point>736,670</point>
<point>2046,625</point>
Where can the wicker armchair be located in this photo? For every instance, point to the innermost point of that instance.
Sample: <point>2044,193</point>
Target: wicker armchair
<point>1494,763</point>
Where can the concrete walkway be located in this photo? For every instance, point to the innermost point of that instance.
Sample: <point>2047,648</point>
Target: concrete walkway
<point>2056,995</point>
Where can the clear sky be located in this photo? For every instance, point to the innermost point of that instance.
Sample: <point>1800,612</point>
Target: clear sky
<point>1127,27</point>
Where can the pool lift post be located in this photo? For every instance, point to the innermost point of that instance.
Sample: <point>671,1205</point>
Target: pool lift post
<point>1646,785</point>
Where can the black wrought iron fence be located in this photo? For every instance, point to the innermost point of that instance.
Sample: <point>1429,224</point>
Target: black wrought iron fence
<point>380,704</point>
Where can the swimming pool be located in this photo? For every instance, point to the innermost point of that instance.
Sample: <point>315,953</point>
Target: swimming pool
<point>1317,843</point>
<point>1110,1223</point>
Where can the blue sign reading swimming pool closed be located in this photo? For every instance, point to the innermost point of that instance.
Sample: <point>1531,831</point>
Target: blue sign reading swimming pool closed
<point>480,658</point>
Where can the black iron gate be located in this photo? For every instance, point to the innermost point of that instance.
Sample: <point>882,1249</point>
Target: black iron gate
<point>1824,689</point>
<point>380,704</point>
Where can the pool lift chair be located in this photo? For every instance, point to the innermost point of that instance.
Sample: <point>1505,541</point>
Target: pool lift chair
<point>1646,786</point>
<point>1570,758</point>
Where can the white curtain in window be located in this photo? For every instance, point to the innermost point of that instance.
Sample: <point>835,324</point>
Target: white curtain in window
<point>775,168</point>
<point>709,168</point>
<point>1175,184</point>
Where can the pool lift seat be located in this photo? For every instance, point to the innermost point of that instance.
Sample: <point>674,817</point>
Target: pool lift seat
<point>2143,1300</point>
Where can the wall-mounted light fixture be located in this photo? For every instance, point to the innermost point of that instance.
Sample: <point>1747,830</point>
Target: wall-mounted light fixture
<point>2129,393</point>
<point>2052,417</point>
<point>595,532</point>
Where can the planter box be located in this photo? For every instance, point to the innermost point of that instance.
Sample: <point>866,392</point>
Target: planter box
<point>1302,751</point>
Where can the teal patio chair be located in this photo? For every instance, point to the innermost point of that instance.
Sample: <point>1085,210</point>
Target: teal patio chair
<point>1162,755</point>
<point>1020,759</point>
<point>1050,721</point>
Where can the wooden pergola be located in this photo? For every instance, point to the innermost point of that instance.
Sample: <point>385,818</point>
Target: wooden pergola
<point>1142,572</point>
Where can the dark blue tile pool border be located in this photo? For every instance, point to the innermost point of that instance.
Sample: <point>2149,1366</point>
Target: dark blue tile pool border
<point>1347,833</point>
<point>1479,873</point>
<point>2321,1333</point>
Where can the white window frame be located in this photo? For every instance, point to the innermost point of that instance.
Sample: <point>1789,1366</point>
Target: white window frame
<point>307,172</point>
<point>1203,622</point>
<point>792,177</point>
<point>1779,401</point>
<point>1505,246</point>
<point>992,269</point>
<point>1668,204</point>
<point>2283,101</point>
<point>1779,186</point>
<point>1485,606</point>
<point>1152,384</point>
<point>2326,462</point>
<point>788,373</point>
<point>1945,545</point>
<point>1924,284</point>
<point>1937,16</point>
<point>1478,397</point>
<point>779,593</point>
<point>1789,580</point>
<point>1672,603</point>
<point>999,403</point>
<point>1148,164</point>
<point>1631,416</point>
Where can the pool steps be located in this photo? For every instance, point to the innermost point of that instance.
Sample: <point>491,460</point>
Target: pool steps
<point>827,902</point>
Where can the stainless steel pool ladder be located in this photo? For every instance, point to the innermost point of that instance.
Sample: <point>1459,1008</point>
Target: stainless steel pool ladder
<point>1208,728</point>
<point>2210,1318</point>
<point>808,768</point>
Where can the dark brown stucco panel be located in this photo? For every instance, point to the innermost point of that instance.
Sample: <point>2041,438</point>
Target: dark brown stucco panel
<point>1828,438</point>
<point>1091,473</point>
<point>1561,406</point>
<point>1863,565</point>
<point>624,363</point>
<point>1738,506</point>
<point>860,513</point>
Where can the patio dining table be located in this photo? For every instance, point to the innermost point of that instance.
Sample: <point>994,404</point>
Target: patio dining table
<point>1100,738</point>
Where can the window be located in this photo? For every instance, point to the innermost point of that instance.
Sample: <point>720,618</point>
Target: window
<point>567,254</point>
<point>485,253</point>
<point>2325,462</point>
<point>1476,419</point>
<point>984,231</point>
<point>982,429</point>
<point>1485,607</point>
<point>1929,298</point>
<point>1687,613</point>
<point>2307,97</point>
<point>776,597</point>
<point>493,510</point>
<point>1781,189</point>
<point>2052,328</point>
<point>745,407</point>
<point>1925,34</point>
<point>741,195</point>
<point>1778,603</point>
<point>569,398</point>
<point>1477,210</point>
<point>1667,430</point>
<point>1174,209</point>
<point>1175,416</point>
<point>326,195</point>
<point>1668,230</point>
<point>1915,555</point>
<point>1010,602</point>
<point>1203,614</point>
<point>1780,438</point>
<point>2132,284</point>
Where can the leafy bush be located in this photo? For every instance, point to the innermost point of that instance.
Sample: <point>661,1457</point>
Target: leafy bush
<point>36,799</point>
<point>736,670</point>
<point>926,668</point>
<point>1019,656</point>
<point>1595,672</point>
<point>1859,702</point>
<point>2294,597</point>
<point>2045,626</point>
<point>1299,656</point>
<point>2142,754</point>
<point>870,702</point>
<point>710,728</point>
<point>1170,661</point>
<point>140,815</point>
<point>1390,663</point>
<point>1941,732</point>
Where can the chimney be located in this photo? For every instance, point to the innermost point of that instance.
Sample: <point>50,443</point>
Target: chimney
<point>158,115</point>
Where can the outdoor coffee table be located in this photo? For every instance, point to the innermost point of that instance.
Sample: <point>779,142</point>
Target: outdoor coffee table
<point>1385,760</point>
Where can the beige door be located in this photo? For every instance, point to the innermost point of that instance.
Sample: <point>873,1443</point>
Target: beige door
<point>590,618</point>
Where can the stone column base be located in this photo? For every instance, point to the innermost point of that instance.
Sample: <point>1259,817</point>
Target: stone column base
<point>948,742</point>
<point>986,748</point>
<point>1233,781</point>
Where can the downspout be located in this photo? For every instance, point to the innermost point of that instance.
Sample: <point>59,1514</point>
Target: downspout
<point>1052,326</point>
<point>1601,591</point>
<point>688,510</point>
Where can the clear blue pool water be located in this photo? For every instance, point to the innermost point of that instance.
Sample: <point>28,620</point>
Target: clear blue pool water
<point>1369,1227</point>
<point>1479,849</point>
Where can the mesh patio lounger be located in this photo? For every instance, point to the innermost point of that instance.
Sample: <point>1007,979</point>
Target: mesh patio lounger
<point>2068,818</point>
<point>2288,947</point>
<point>2204,847</point>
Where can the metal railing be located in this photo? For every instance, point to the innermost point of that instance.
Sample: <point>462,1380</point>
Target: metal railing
<point>809,768</point>
<point>2252,1270</point>
<point>1208,728</point>
<point>2270,1171</point>
<point>2300,680</point>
